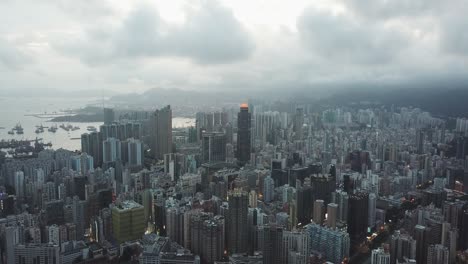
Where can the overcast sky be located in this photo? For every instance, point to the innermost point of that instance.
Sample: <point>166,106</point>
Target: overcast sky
<point>243,44</point>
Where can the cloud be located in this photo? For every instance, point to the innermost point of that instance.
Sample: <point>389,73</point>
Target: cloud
<point>210,35</point>
<point>11,57</point>
<point>342,38</point>
<point>385,9</point>
<point>454,33</point>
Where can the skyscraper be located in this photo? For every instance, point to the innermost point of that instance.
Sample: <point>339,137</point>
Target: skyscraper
<point>298,124</point>
<point>237,223</point>
<point>213,147</point>
<point>402,246</point>
<point>268,189</point>
<point>437,254</point>
<point>372,208</point>
<point>272,238</point>
<point>333,244</point>
<point>135,152</point>
<point>111,150</point>
<point>128,221</point>
<point>109,116</point>
<point>358,215</point>
<point>213,239</point>
<point>380,256</point>
<point>243,134</point>
<point>318,211</point>
<point>161,132</point>
<point>332,211</point>
<point>422,234</point>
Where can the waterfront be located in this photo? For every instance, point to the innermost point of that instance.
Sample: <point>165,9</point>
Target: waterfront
<point>21,110</point>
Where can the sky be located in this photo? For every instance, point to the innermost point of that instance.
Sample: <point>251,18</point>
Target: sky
<point>242,45</point>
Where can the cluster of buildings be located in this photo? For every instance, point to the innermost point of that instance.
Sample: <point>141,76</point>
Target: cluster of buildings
<point>263,183</point>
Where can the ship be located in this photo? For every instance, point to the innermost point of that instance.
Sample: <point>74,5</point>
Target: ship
<point>11,132</point>
<point>19,129</point>
<point>52,129</point>
<point>75,128</point>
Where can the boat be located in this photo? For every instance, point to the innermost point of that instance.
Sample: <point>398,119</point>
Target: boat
<point>75,128</point>
<point>91,128</point>
<point>38,131</point>
<point>52,129</point>
<point>66,128</point>
<point>11,132</point>
<point>19,129</point>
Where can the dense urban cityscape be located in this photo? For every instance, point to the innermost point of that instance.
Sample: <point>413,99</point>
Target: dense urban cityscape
<point>233,132</point>
<point>261,183</point>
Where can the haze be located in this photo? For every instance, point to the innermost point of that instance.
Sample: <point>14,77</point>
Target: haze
<point>132,46</point>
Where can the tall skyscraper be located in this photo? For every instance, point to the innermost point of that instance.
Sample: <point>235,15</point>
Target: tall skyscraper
<point>213,147</point>
<point>318,211</point>
<point>437,254</point>
<point>272,246</point>
<point>111,150</point>
<point>268,189</point>
<point>128,221</point>
<point>332,211</point>
<point>372,208</point>
<point>135,152</point>
<point>161,132</point>
<point>243,134</point>
<point>422,235</point>
<point>109,116</point>
<point>298,124</point>
<point>237,223</point>
<point>358,215</point>
<point>333,244</point>
<point>213,239</point>
<point>402,246</point>
<point>380,256</point>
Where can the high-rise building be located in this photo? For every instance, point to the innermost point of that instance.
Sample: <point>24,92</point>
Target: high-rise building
<point>213,147</point>
<point>109,116</point>
<point>304,200</point>
<point>380,256</point>
<point>372,208</point>
<point>92,145</point>
<point>333,244</point>
<point>135,152</point>
<point>161,132</point>
<point>422,235</point>
<point>298,124</point>
<point>213,239</point>
<point>296,247</point>
<point>341,198</point>
<point>437,254</point>
<point>111,150</point>
<point>175,224</point>
<point>319,209</point>
<point>402,246</point>
<point>272,244</point>
<point>358,215</point>
<point>19,184</point>
<point>268,189</point>
<point>332,211</point>
<point>243,134</point>
<point>128,221</point>
<point>237,224</point>
<point>31,253</point>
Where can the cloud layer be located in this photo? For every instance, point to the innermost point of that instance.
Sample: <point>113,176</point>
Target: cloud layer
<point>241,45</point>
